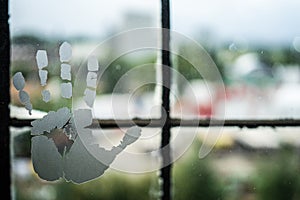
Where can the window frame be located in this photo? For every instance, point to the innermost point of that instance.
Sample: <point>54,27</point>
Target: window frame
<point>169,122</point>
<point>5,100</point>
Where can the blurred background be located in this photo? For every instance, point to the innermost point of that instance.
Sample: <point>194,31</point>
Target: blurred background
<point>255,46</point>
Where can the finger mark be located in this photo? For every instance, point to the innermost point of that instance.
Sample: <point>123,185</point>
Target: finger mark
<point>65,52</point>
<point>66,90</point>
<point>41,59</point>
<point>91,80</point>
<point>93,64</point>
<point>134,132</point>
<point>46,96</point>
<point>79,170</point>
<point>24,97</point>
<point>46,160</point>
<point>51,121</point>
<point>83,118</point>
<point>131,136</point>
<point>70,130</point>
<point>65,72</point>
<point>19,81</point>
<point>28,107</point>
<point>89,97</point>
<point>43,76</point>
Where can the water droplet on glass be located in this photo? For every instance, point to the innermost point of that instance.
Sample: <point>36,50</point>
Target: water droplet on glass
<point>232,47</point>
<point>118,67</point>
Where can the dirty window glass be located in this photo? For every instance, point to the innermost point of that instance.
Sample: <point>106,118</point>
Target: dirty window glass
<point>254,44</point>
<point>236,60</point>
<point>52,44</point>
<point>245,163</point>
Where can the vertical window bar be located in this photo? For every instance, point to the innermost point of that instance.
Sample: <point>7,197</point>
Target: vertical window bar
<point>4,101</point>
<point>165,108</point>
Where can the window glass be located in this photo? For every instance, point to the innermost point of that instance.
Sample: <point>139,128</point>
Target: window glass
<point>89,27</point>
<point>245,163</point>
<point>255,46</point>
<point>246,67</point>
<point>52,46</point>
<point>133,173</point>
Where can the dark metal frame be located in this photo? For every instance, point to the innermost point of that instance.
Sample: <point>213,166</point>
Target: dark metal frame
<point>165,122</point>
<point>174,122</point>
<point>4,101</point>
<point>165,107</point>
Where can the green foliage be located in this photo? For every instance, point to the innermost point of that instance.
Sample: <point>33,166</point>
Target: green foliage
<point>112,186</point>
<point>187,69</point>
<point>120,67</point>
<point>21,144</point>
<point>279,56</point>
<point>52,105</point>
<point>28,39</point>
<point>279,179</point>
<point>194,179</point>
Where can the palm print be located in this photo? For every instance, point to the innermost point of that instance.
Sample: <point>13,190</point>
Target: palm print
<point>62,146</point>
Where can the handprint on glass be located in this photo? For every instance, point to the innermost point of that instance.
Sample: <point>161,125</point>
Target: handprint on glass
<point>62,144</point>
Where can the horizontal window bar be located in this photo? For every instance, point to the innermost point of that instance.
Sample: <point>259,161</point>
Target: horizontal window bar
<point>111,123</point>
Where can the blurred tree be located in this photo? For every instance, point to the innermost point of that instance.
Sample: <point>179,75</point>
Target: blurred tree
<point>194,179</point>
<point>279,179</point>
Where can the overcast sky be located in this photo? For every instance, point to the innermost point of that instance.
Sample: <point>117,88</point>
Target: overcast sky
<point>273,21</point>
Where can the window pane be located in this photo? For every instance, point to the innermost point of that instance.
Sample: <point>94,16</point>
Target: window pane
<point>116,183</point>
<point>84,25</point>
<point>255,46</point>
<point>121,92</point>
<point>244,164</point>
